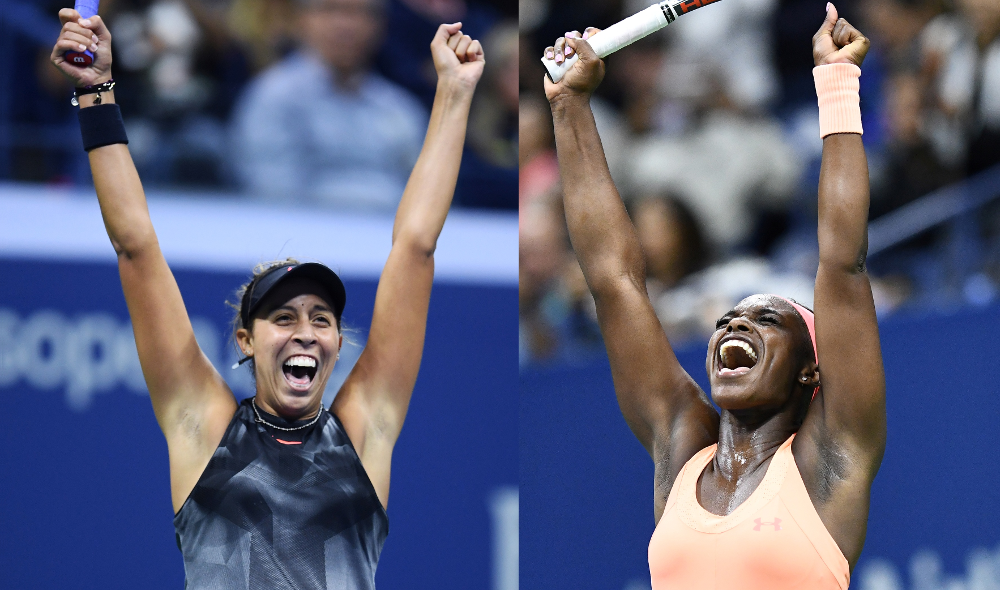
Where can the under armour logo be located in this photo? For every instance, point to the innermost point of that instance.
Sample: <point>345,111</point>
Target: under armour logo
<point>758,524</point>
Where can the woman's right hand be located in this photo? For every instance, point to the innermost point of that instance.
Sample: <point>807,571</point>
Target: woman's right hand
<point>585,75</point>
<point>78,35</point>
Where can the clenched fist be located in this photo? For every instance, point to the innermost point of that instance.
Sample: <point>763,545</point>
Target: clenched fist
<point>837,42</point>
<point>457,57</point>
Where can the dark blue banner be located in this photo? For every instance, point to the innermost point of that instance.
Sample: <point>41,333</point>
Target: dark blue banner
<point>586,483</point>
<point>85,495</point>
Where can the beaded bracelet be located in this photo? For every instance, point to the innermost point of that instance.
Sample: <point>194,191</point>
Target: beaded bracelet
<point>93,89</point>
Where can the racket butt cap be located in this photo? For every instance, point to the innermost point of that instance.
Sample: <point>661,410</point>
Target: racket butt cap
<point>80,59</point>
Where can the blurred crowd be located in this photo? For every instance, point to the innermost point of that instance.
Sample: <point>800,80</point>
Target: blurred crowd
<point>711,133</point>
<point>321,102</point>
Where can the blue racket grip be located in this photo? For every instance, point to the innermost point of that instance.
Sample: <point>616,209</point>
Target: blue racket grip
<point>87,9</point>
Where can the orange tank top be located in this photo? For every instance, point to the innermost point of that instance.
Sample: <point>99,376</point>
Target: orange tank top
<point>774,540</point>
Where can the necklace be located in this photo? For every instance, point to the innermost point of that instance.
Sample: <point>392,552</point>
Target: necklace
<point>253,402</point>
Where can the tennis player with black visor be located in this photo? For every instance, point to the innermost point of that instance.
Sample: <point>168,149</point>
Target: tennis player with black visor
<point>278,492</point>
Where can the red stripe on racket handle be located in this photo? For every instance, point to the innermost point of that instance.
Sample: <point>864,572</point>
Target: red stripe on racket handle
<point>87,9</point>
<point>686,6</point>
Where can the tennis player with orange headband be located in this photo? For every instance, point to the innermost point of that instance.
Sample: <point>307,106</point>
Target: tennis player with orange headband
<point>277,492</point>
<point>772,491</point>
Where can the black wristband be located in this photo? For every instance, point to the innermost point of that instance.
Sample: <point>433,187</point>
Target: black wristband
<point>101,125</point>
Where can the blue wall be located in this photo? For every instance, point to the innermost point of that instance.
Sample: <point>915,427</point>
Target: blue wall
<point>586,483</point>
<point>85,494</point>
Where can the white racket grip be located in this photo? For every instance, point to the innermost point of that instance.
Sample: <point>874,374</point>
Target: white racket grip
<point>618,35</point>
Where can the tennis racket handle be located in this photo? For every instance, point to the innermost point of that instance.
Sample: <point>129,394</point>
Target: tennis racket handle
<point>617,36</point>
<point>628,31</point>
<point>87,9</point>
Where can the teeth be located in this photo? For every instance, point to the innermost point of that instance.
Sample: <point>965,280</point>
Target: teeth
<point>301,361</point>
<point>746,348</point>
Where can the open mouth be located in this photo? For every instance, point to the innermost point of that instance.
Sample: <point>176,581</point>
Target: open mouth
<point>300,371</point>
<point>736,357</point>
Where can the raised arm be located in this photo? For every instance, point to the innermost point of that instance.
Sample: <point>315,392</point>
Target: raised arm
<point>373,402</point>
<point>851,405</point>
<point>663,406</point>
<point>191,402</point>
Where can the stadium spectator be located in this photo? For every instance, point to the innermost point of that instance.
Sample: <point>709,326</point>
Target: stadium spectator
<point>984,103</point>
<point>731,47</point>
<point>960,53</point>
<point>537,166</point>
<point>912,166</point>
<point>321,126</point>
<point>727,169</point>
<point>542,253</point>
<point>671,240</point>
<point>558,318</point>
<point>263,29</point>
<point>642,102</point>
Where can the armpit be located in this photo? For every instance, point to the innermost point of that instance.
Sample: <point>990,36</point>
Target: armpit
<point>832,469</point>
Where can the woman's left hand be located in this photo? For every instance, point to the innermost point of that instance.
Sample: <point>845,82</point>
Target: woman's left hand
<point>838,42</point>
<point>457,57</point>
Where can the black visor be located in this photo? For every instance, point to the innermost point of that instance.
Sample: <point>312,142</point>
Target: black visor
<point>272,278</point>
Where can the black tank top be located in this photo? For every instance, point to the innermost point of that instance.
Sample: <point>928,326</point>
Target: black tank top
<point>276,510</point>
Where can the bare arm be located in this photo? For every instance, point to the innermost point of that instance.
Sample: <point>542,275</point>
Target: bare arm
<point>663,406</point>
<point>191,401</point>
<point>374,400</point>
<point>852,405</point>
<point>840,444</point>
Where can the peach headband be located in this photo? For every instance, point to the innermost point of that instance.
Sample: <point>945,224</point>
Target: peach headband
<point>810,320</point>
